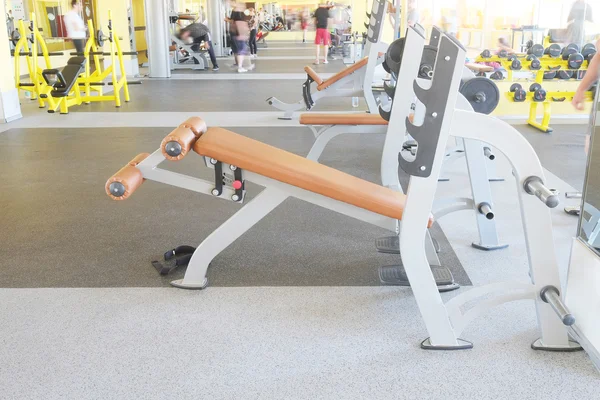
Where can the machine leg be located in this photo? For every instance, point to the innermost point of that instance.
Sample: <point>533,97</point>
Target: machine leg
<point>195,275</point>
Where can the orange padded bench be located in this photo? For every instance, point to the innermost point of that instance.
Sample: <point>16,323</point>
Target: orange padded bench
<point>342,119</point>
<point>324,84</point>
<point>282,166</point>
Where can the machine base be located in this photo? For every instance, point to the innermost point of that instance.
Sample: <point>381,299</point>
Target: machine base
<point>395,275</point>
<point>573,346</point>
<point>479,246</point>
<point>462,345</point>
<point>189,286</point>
<point>391,245</point>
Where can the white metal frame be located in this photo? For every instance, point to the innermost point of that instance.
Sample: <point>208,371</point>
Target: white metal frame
<point>357,84</point>
<point>444,322</point>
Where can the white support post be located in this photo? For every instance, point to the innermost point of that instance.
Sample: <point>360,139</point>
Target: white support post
<point>157,36</point>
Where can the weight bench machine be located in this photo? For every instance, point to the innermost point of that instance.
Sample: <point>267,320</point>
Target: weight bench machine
<point>353,81</point>
<point>65,91</point>
<point>196,60</point>
<point>284,175</point>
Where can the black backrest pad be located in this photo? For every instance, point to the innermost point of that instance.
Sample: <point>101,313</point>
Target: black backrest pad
<point>70,73</point>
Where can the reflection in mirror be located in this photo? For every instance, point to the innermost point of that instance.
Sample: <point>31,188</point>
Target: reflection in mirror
<point>589,223</point>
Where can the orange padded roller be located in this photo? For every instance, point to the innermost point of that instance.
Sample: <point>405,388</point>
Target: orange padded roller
<point>196,124</point>
<point>122,184</point>
<point>178,143</point>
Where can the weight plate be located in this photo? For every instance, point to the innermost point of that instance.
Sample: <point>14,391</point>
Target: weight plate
<point>427,62</point>
<point>520,95</point>
<point>511,57</point>
<point>482,93</point>
<point>562,74</point>
<point>100,38</point>
<point>15,36</point>
<point>393,55</point>
<point>534,87</point>
<point>575,61</point>
<point>535,65</point>
<point>590,56</point>
<point>573,46</point>
<point>549,75</point>
<point>385,67</point>
<point>515,86</point>
<point>531,57</point>
<point>503,54</point>
<point>537,50</point>
<point>486,54</point>
<point>515,65</point>
<point>554,50</point>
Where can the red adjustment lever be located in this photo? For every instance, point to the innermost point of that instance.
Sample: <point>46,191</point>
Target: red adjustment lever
<point>237,185</point>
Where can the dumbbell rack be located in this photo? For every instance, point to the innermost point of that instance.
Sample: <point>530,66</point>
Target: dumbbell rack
<point>537,95</point>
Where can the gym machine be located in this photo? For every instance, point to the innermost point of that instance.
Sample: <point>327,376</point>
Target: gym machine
<point>184,57</point>
<point>32,46</point>
<point>284,175</point>
<point>354,81</point>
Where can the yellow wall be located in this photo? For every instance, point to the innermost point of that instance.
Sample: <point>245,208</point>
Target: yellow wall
<point>139,18</point>
<point>119,19</point>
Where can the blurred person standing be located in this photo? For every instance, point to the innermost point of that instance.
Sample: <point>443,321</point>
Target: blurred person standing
<point>76,30</point>
<point>580,12</point>
<point>322,37</point>
<point>253,25</point>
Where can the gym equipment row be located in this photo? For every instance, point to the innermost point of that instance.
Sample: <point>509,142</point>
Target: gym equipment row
<point>283,175</point>
<point>353,81</point>
<point>536,95</point>
<point>60,89</point>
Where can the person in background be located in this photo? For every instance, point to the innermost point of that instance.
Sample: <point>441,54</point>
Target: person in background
<point>412,17</point>
<point>242,34</point>
<point>580,12</point>
<point>303,24</point>
<point>450,22</point>
<point>591,77</point>
<point>200,33</point>
<point>323,37</point>
<point>253,25</point>
<point>10,22</point>
<point>503,45</point>
<point>76,30</point>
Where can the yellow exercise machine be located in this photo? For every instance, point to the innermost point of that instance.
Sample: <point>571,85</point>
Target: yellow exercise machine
<point>94,80</point>
<point>27,45</point>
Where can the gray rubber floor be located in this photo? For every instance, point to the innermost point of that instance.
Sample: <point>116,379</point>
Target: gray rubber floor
<point>217,95</point>
<point>562,151</point>
<point>63,231</point>
<point>273,66</point>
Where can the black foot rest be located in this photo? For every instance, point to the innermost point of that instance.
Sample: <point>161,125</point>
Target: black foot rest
<point>391,245</point>
<point>395,275</point>
<point>177,257</point>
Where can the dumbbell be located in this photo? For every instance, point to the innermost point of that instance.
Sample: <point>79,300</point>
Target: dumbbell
<point>565,74</point>
<point>535,64</point>
<point>515,64</point>
<point>539,94</point>
<point>519,94</point>
<point>550,75</point>
<point>486,54</point>
<point>503,54</point>
<point>497,76</point>
<point>553,50</point>
<point>575,60</point>
<point>536,50</point>
<point>588,51</point>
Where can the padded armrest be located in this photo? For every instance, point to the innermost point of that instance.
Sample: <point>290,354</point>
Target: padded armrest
<point>343,73</point>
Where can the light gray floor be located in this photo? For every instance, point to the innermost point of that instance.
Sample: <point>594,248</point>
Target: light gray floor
<point>266,342</point>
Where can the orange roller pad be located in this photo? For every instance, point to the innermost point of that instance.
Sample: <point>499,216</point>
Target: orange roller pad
<point>186,139</point>
<point>129,176</point>
<point>196,124</point>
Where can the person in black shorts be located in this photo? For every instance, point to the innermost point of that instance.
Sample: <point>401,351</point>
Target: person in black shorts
<point>200,33</point>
